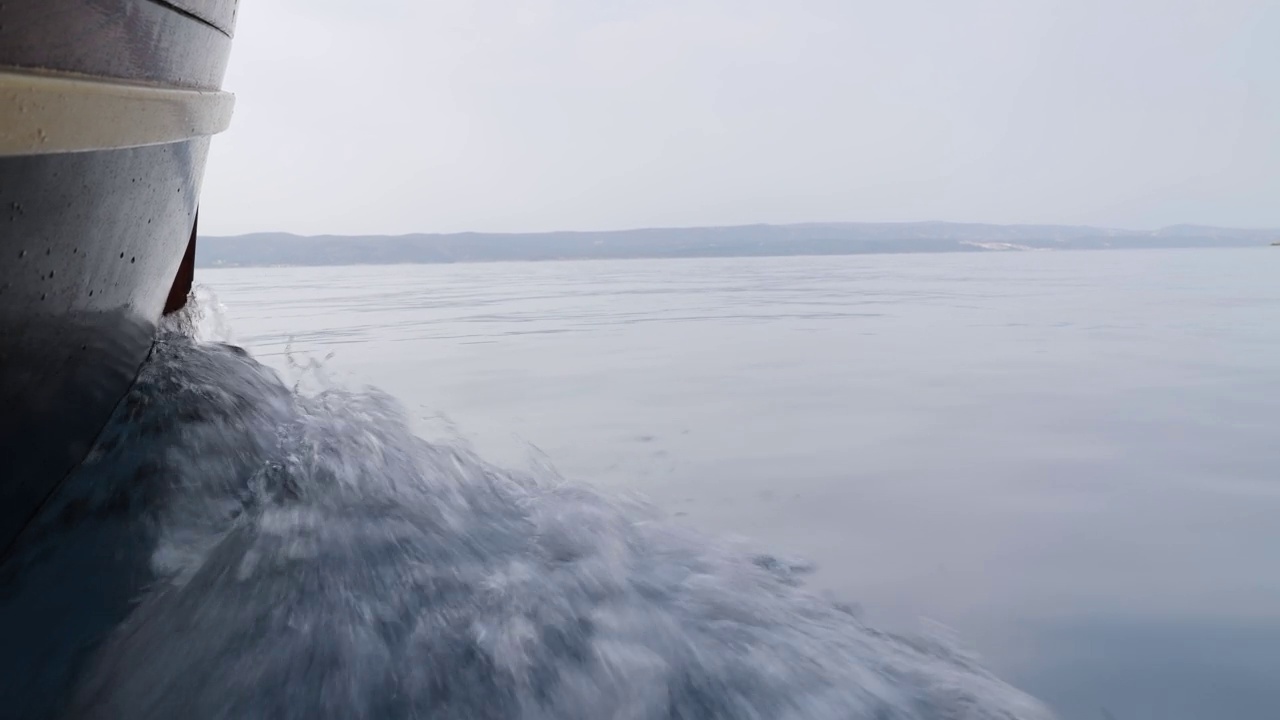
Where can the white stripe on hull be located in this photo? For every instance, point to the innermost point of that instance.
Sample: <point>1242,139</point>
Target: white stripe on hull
<point>44,113</point>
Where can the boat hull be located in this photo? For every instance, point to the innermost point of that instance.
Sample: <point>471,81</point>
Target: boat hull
<point>97,213</point>
<point>106,113</point>
<point>93,242</point>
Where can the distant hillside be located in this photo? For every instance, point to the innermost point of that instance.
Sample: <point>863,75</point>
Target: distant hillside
<point>741,241</point>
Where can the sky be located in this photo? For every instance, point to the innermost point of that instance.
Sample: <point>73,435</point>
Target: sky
<point>403,116</point>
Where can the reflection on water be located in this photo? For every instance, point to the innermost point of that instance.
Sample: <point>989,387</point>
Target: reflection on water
<point>1069,458</point>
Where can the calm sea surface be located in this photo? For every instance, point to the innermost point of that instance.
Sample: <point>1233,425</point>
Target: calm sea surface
<point>1070,459</point>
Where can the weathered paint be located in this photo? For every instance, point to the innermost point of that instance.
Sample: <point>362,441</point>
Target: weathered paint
<point>93,233</point>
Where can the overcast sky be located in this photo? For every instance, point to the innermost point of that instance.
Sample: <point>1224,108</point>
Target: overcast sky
<point>398,116</point>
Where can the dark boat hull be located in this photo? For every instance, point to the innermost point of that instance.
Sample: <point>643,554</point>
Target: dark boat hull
<point>96,215</point>
<point>93,242</point>
<point>106,108</point>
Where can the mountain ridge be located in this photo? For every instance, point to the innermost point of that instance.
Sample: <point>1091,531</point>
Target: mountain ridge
<point>757,240</point>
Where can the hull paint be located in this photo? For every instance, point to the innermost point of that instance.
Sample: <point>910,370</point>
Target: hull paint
<point>95,218</point>
<point>137,40</point>
<point>92,243</point>
<point>97,233</point>
<point>97,227</point>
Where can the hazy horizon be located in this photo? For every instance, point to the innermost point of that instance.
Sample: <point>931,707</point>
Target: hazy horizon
<point>538,116</point>
<point>637,228</point>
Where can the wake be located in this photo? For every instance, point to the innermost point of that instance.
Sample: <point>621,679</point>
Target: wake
<point>235,549</point>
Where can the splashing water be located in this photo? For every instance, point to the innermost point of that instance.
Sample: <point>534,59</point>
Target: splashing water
<point>233,549</point>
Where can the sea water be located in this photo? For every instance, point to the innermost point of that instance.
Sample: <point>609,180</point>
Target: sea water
<point>234,549</point>
<point>1067,458</point>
